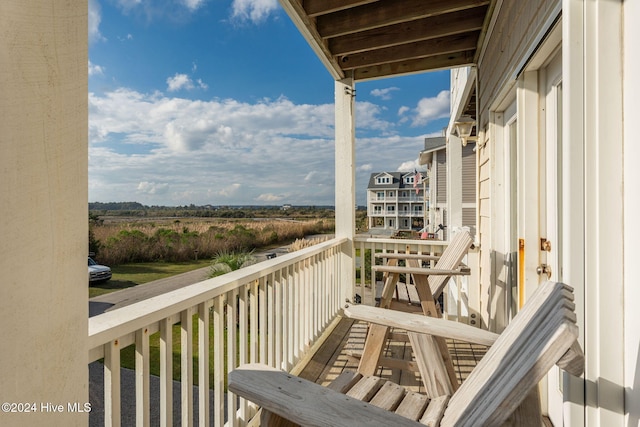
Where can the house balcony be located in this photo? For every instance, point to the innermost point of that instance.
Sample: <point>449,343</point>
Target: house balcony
<point>279,312</point>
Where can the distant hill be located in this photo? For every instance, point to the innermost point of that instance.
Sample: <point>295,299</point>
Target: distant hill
<point>117,206</point>
<point>136,209</point>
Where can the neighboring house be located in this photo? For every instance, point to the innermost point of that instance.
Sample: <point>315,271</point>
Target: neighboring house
<point>434,156</point>
<point>395,201</point>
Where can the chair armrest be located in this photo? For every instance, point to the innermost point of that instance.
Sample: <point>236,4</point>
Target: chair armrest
<point>573,360</point>
<point>400,255</point>
<point>420,270</point>
<point>421,324</point>
<point>307,403</point>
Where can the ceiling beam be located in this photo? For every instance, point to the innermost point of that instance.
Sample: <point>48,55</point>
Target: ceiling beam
<point>322,7</point>
<point>431,63</point>
<point>412,31</point>
<point>384,13</point>
<point>405,52</point>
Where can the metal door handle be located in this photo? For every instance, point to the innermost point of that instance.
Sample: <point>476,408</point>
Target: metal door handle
<point>544,269</point>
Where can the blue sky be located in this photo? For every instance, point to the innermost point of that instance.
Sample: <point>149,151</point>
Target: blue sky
<point>223,102</point>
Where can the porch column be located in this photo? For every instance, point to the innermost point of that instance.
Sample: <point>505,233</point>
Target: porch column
<point>454,183</point>
<point>631,177</point>
<point>43,206</point>
<point>598,42</point>
<point>346,179</point>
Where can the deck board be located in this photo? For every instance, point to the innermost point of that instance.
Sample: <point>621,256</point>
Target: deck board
<point>334,357</point>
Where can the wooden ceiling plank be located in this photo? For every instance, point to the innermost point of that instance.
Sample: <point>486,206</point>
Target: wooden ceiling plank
<point>409,51</point>
<point>407,32</point>
<point>384,13</point>
<point>322,7</point>
<point>431,63</point>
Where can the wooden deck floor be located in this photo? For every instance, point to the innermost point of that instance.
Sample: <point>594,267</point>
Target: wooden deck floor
<point>348,337</point>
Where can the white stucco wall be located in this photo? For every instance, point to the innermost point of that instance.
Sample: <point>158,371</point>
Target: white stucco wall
<point>43,208</point>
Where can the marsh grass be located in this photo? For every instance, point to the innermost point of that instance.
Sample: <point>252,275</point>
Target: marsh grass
<point>184,240</point>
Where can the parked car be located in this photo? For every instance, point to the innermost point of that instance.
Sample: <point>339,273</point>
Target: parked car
<point>98,273</point>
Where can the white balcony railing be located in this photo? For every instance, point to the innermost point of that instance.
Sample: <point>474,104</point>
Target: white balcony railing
<point>271,312</point>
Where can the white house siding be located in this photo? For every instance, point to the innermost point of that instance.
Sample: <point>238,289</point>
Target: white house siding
<point>519,26</point>
<point>43,174</point>
<point>484,231</point>
<point>632,207</point>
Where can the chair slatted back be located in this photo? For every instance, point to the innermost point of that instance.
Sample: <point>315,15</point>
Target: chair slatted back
<point>450,260</point>
<point>540,334</point>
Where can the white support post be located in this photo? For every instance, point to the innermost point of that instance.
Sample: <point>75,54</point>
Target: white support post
<point>345,180</point>
<point>574,187</point>
<point>43,206</point>
<point>596,32</point>
<point>631,208</point>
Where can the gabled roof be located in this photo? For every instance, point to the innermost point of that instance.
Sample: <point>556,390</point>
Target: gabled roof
<point>431,145</point>
<point>368,39</point>
<point>397,181</point>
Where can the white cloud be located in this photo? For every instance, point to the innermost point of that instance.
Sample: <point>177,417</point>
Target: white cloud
<point>179,11</point>
<point>94,18</point>
<point>153,187</point>
<point>162,149</point>
<point>403,110</point>
<point>429,109</point>
<point>410,166</point>
<point>218,151</point>
<point>193,5</point>
<point>184,82</point>
<point>178,82</point>
<point>95,70</point>
<point>256,11</point>
<point>384,94</point>
<point>229,190</point>
<point>268,197</point>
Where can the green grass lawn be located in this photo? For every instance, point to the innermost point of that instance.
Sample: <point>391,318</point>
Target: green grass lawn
<point>128,354</point>
<point>128,275</point>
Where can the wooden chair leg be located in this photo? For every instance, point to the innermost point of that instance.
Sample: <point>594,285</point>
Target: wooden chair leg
<point>373,348</point>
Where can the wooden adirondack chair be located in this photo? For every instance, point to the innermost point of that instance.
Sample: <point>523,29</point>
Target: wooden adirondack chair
<point>429,281</point>
<point>439,378</point>
<point>544,333</point>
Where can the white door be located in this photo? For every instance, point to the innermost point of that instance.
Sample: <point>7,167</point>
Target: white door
<point>552,205</point>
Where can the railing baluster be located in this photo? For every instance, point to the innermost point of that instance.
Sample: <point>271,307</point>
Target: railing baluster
<point>271,324</point>
<point>112,384</point>
<point>263,329</point>
<point>232,324</point>
<point>166,373</point>
<point>203,362</point>
<point>218,361</point>
<point>142,378</point>
<point>253,322</point>
<point>186,365</point>
<point>278,313</point>
<point>243,332</point>
<point>294,323</point>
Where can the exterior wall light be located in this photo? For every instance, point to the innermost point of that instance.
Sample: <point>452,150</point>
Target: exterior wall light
<point>464,126</point>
